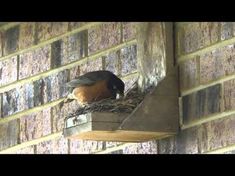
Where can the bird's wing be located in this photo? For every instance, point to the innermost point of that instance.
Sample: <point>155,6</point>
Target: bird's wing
<point>89,78</point>
<point>80,82</point>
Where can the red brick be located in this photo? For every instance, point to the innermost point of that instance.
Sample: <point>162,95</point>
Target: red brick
<point>198,35</point>
<point>73,47</point>
<point>103,36</point>
<point>189,74</point>
<point>128,57</point>
<point>229,95</point>
<point>34,62</point>
<point>91,65</point>
<point>149,147</point>
<point>11,40</point>
<point>35,125</point>
<point>26,150</point>
<point>27,34</point>
<point>129,30</point>
<point>48,30</point>
<point>211,66</point>
<point>9,133</point>
<point>8,71</point>
<point>219,133</point>
<point>217,63</point>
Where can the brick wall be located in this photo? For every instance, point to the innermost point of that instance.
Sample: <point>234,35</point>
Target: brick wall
<point>37,58</point>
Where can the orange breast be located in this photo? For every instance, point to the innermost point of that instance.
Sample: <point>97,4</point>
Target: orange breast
<point>96,92</point>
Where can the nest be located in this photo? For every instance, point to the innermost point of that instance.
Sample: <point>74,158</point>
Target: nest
<point>126,104</point>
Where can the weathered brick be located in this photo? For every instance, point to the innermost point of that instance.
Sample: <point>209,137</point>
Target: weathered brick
<point>74,72</point>
<point>167,146</point>
<point>74,47</point>
<point>228,59</point>
<point>11,40</point>
<point>26,150</point>
<point>217,63</point>
<point>201,103</point>
<point>219,133</point>
<point>34,62</point>
<point>149,147</point>
<point>27,35</point>
<point>60,146</point>
<point>189,74</point>
<point>198,35</point>
<point>117,152</point>
<point>9,133</point>
<point>74,25</point>
<point>229,95</point>
<point>111,62</point>
<point>26,97</point>
<point>56,146</point>
<point>91,65</point>
<point>187,141</point>
<point>128,57</point>
<point>226,30</point>
<point>10,101</point>
<point>59,113</point>
<point>45,147</point>
<point>38,87</point>
<point>129,30</point>
<point>8,71</point>
<point>35,125</point>
<point>56,54</point>
<point>211,67</point>
<point>54,86</point>
<point>85,147</point>
<point>103,36</point>
<point>1,42</point>
<point>48,30</point>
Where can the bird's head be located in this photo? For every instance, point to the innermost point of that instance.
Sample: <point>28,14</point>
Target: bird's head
<point>117,85</point>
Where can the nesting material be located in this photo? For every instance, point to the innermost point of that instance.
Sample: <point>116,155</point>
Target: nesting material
<point>126,104</point>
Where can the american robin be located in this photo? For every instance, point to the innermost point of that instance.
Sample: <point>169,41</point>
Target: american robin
<point>95,86</point>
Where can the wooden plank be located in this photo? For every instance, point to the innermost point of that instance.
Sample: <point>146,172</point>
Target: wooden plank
<point>121,136</point>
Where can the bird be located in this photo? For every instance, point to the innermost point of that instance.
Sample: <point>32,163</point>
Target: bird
<point>95,86</point>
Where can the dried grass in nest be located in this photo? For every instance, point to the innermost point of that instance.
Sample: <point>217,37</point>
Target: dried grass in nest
<point>126,104</point>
